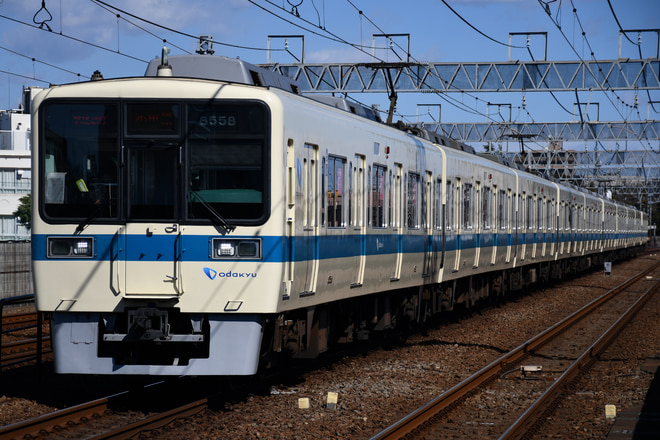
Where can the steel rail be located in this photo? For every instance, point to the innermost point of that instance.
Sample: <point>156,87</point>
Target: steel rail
<point>416,420</point>
<point>14,353</point>
<point>154,422</point>
<point>531,417</point>
<point>47,422</point>
<point>18,321</point>
<point>36,426</point>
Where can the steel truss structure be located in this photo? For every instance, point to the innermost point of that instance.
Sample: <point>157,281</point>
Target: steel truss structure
<point>626,173</point>
<point>634,173</point>
<point>550,131</point>
<point>509,76</point>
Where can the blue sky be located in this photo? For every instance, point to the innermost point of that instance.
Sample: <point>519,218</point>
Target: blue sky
<point>121,48</point>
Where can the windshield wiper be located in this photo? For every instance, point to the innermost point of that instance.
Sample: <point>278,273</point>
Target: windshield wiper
<point>217,219</point>
<point>100,204</point>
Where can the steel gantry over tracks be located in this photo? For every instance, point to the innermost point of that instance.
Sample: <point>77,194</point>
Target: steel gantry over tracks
<point>507,76</point>
<point>631,172</point>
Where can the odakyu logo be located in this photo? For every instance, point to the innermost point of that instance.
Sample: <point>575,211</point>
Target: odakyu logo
<point>213,274</point>
<point>210,273</point>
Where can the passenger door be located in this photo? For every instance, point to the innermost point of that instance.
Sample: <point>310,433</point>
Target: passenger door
<point>358,237</point>
<point>307,248</point>
<point>152,235</point>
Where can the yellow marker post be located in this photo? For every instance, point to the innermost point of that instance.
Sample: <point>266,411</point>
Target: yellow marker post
<point>332,400</point>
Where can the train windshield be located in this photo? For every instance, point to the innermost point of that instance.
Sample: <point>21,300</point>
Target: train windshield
<point>227,156</point>
<point>155,161</point>
<point>79,161</point>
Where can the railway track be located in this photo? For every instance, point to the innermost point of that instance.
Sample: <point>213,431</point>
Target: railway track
<point>531,399</point>
<point>18,352</point>
<point>19,321</point>
<point>107,418</point>
<point>22,339</point>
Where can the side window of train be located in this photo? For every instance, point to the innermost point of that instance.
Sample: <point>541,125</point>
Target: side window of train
<point>540,219</point>
<point>396,206</point>
<point>438,214</point>
<point>502,209</point>
<point>449,206</point>
<point>513,214</point>
<point>468,206</point>
<point>389,191</point>
<point>336,171</point>
<point>378,190</point>
<point>349,193</point>
<point>529,216</point>
<point>458,204</point>
<point>521,211</point>
<point>412,201</point>
<point>486,211</point>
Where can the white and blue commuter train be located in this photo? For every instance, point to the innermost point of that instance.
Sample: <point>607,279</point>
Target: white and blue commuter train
<point>204,217</point>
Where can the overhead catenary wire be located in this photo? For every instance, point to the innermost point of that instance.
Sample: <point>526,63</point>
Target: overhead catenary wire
<point>574,10</point>
<point>450,100</point>
<point>639,48</point>
<point>25,76</point>
<point>63,35</point>
<point>175,31</point>
<point>139,27</point>
<point>43,62</point>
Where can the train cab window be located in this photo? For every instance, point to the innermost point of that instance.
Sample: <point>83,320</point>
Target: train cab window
<point>228,162</point>
<point>378,219</point>
<point>79,160</point>
<point>413,201</point>
<point>336,170</point>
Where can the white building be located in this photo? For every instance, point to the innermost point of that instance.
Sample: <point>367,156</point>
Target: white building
<point>15,171</point>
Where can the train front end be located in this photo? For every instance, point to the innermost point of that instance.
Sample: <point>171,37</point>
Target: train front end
<point>155,242</point>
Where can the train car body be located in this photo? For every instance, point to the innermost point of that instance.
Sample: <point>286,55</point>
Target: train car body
<point>192,226</point>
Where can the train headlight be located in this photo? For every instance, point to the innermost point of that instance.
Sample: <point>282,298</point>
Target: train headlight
<point>236,248</point>
<point>70,247</point>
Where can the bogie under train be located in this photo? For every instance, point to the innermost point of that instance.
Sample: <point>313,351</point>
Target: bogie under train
<point>191,225</point>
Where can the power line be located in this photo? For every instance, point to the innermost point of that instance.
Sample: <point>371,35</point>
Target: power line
<point>43,62</point>
<point>639,48</point>
<point>477,30</point>
<point>574,10</point>
<point>139,27</point>
<point>619,24</point>
<point>25,76</point>
<point>331,37</point>
<point>561,31</point>
<point>169,29</point>
<point>459,105</point>
<point>74,39</point>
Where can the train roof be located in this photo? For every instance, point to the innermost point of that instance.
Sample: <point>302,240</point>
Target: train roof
<point>235,70</point>
<point>220,68</point>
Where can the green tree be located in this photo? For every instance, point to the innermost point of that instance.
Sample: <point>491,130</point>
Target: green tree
<point>24,211</point>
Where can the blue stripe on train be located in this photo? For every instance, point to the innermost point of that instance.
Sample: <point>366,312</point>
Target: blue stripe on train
<point>275,249</point>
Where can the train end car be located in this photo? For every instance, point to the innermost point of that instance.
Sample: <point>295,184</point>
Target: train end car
<point>156,246</point>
